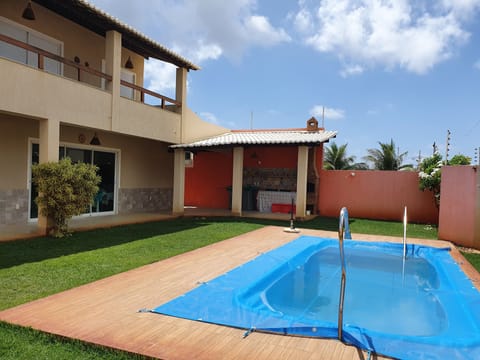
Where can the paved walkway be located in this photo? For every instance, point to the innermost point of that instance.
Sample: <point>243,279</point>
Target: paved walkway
<point>105,312</point>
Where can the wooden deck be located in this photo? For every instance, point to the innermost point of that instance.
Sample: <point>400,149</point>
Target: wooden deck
<point>105,312</point>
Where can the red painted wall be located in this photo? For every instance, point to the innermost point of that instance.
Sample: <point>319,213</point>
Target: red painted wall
<point>211,174</point>
<point>271,157</point>
<point>378,195</point>
<point>459,219</point>
<point>206,182</point>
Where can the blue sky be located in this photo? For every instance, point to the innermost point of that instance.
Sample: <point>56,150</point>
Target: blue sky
<point>407,70</point>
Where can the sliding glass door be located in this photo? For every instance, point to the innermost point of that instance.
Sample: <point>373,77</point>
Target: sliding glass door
<point>106,169</point>
<point>104,201</point>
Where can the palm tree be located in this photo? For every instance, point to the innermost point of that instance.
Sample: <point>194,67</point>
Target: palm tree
<point>386,158</point>
<point>335,158</point>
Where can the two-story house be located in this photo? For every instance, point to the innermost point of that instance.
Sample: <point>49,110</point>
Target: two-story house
<point>71,85</point>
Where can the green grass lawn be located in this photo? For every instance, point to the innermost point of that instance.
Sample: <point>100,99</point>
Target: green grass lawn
<point>34,268</point>
<point>20,343</point>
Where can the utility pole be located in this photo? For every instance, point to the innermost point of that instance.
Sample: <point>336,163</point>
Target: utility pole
<point>323,117</point>
<point>434,148</point>
<point>447,147</point>
<point>477,156</point>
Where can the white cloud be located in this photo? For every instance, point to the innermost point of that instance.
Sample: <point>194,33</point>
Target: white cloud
<point>330,113</point>
<point>198,30</point>
<point>263,33</point>
<point>218,27</point>
<point>212,118</point>
<point>408,34</point>
<point>203,52</point>
<point>161,76</point>
<point>303,21</point>
<point>462,8</point>
<point>349,70</point>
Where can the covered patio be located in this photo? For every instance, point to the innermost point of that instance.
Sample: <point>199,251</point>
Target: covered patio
<point>281,167</point>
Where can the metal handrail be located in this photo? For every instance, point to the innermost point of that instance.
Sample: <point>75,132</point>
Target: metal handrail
<point>405,233</point>
<point>343,233</point>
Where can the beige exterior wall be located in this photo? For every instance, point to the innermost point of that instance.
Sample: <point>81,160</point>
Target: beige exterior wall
<point>143,163</point>
<point>196,128</point>
<point>14,150</point>
<point>38,94</point>
<point>166,127</point>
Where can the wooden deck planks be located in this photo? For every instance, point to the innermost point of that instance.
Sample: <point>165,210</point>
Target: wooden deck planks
<point>106,312</point>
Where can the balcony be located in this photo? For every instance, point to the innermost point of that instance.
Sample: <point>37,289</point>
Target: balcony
<point>80,95</point>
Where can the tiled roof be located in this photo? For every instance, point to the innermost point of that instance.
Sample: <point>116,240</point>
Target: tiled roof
<point>87,15</point>
<point>267,137</point>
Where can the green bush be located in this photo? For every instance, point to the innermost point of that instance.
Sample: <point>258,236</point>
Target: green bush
<point>431,172</point>
<point>430,175</point>
<point>65,189</point>
<point>460,159</point>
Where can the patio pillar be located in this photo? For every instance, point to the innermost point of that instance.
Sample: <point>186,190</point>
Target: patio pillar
<point>113,58</point>
<point>302,174</point>
<point>237,181</point>
<point>181,96</point>
<point>48,148</point>
<point>178,182</point>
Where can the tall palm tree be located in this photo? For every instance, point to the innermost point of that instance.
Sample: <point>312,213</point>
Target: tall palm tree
<point>386,158</point>
<point>335,158</point>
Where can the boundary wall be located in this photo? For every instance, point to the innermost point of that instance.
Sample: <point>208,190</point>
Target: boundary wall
<point>459,218</point>
<point>380,195</point>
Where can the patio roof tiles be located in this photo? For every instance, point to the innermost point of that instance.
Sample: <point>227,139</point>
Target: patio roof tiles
<point>261,137</point>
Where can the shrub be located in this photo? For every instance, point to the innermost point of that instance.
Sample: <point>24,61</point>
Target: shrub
<point>65,189</point>
<point>430,175</point>
<point>460,159</point>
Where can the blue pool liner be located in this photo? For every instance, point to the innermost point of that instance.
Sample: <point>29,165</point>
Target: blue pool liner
<point>221,301</point>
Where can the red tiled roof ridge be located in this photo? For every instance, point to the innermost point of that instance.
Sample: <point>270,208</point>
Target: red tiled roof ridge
<point>272,130</point>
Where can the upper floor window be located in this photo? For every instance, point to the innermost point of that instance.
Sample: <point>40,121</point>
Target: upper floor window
<point>125,91</point>
<point>31,37</point>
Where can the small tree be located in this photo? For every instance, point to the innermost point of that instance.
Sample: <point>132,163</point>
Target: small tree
<point>460,159</point>
<point>430,175</point>
<point>65,189</point>
<point>336,158</point>
<point>386,157</point>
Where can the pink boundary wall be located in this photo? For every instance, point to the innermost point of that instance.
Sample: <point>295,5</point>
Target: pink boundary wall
<point>459,219</point>
<point>378,195</point>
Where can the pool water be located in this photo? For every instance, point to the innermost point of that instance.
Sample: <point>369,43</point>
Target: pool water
<point>423,308</point>
<point>375,280</point>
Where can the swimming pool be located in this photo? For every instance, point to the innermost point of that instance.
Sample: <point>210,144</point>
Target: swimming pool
<point>423,308</point>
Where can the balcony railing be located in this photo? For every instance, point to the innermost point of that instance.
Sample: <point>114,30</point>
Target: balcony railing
<point>80,68</point>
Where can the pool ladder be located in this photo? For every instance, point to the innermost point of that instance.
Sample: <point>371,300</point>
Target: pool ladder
<point>343,233</point>
<point>405,234</point>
